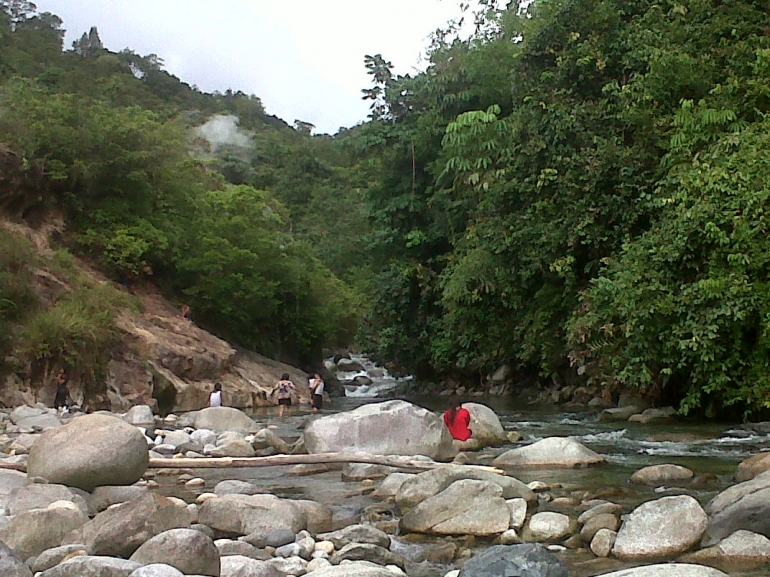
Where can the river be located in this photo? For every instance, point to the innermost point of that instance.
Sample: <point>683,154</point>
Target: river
<point>708,449</point>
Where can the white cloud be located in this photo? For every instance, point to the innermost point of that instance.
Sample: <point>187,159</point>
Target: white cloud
<point>303,58</point>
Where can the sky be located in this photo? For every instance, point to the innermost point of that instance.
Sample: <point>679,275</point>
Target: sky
<point>303,58</point>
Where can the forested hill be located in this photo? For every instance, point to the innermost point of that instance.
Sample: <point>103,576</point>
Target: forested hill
<point>578,191</point>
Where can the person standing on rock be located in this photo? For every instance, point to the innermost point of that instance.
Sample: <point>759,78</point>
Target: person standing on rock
<point>62,392</point>
<point>458,419</point>
<point>285,388</point>
<point>215,399</point>
<point>317,386</point>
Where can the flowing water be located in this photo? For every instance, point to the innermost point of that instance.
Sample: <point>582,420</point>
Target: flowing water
<point>710,450</point>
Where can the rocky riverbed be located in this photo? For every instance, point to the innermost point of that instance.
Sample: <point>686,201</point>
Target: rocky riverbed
<point>88,504</point>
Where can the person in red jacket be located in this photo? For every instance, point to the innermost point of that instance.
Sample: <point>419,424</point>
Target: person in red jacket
<point>458,420</point>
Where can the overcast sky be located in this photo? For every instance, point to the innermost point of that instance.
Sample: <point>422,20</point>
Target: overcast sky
<point>303,58</point>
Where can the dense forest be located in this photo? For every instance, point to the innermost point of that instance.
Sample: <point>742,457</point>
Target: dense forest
<point>577,190</point>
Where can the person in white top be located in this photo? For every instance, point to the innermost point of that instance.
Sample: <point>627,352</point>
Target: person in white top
<point>317,390</point>
<point>215,399</point>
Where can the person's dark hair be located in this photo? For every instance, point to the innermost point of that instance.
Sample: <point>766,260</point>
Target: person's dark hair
<point>454,406</point>
<point>218,386</point>
<point>285,377</point>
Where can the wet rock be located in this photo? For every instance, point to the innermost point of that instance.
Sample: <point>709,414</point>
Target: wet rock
<point>367,552</point>
<point>349,366</point>
<point>662,415</point>
<point>89,452</point>
<point>596,524</point>
<point>466,507</point>
<point>600,509</point>
<point>660,529</point>
<point>550,452</point>
<point>662,474</point>
<point>752,467</point>
<point>389,428</point>
<point>192,552</point>
<point>531,560</point>
<point>617,414</point>
<point>742,506</point>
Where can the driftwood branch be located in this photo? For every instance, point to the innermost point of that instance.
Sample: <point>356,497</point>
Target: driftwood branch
<point>321,458</point>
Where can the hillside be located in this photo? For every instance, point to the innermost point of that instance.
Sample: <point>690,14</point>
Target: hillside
<point>156,357</point>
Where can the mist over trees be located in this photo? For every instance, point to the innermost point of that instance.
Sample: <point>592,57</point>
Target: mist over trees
<point>577,190</point>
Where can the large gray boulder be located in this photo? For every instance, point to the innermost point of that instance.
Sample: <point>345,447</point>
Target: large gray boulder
<point>529,560</point>
<point>103,497</point>
<point>52,557</point>
<point>10,563</point>
<point>190,551</point>
<point>662,474</point>
<point>550,527</point>
<point>466,507</point>
<point>389,428</point>
<point>121,530</point>
<point>89,566</point>
<point>90,451</point>
<point>222,419</point>
<point>667,570</point>
<point>752,467</point>
<point>553,452</point>
<point>238,515</point>
<point>33,532</point>
<point>486,427</point>
<point>140,416</point>
<point>661,529</point>
<point>420,487</point>
<point>742,506</point>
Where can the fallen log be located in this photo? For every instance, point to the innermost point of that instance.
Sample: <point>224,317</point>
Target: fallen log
<point>316,459</point>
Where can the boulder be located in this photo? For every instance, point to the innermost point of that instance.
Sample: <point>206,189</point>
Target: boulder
<point>466,507</point>
<point>240,566</point>
<point>10,480</point>
<point>655,475</point>
<point>88,566</point>
<point>235,487</point>
<point>550,527</point>
<point>25,412</point>
<point>752,467</point>
<point>52,557</point>
<point>362,471</point>
<point>420,487</point>
<point>603,542</point>
<point>222,419</point>
<point>10,564</point>
<point>617,414</point>
<point>518,510</point>
<point>90,451</point>
<point>354,569</point>
<point>597,523</point>
<point>367,552</point>
<point>486,426</point>
<point>389,428</point>
<point>40,422</point>
<point>357,534</point>
<point>391,484</point>
<point>265,438</point>
<point>349,366</point>
<point>190,551</point>
<point>203,437</point>
<point>600,509</point>
<point>32,532</point>
<point>316,518</point>
<point>40,496</point>
<point>660,529</point>
<point>667,570</point>
<point>140,416</point>
<point>553,452</point>
<point>121,530</point>
<point>103,497</point>
<point>238,515</point>
<point>741,551</point>
<point>530,560</point>
<point>236,448</point>
<point>157,570</point>
<point>742,506</point>
<point>661,415</point>
<point>177,438</point>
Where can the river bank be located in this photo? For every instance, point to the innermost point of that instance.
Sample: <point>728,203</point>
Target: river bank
<point>350,494</point>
